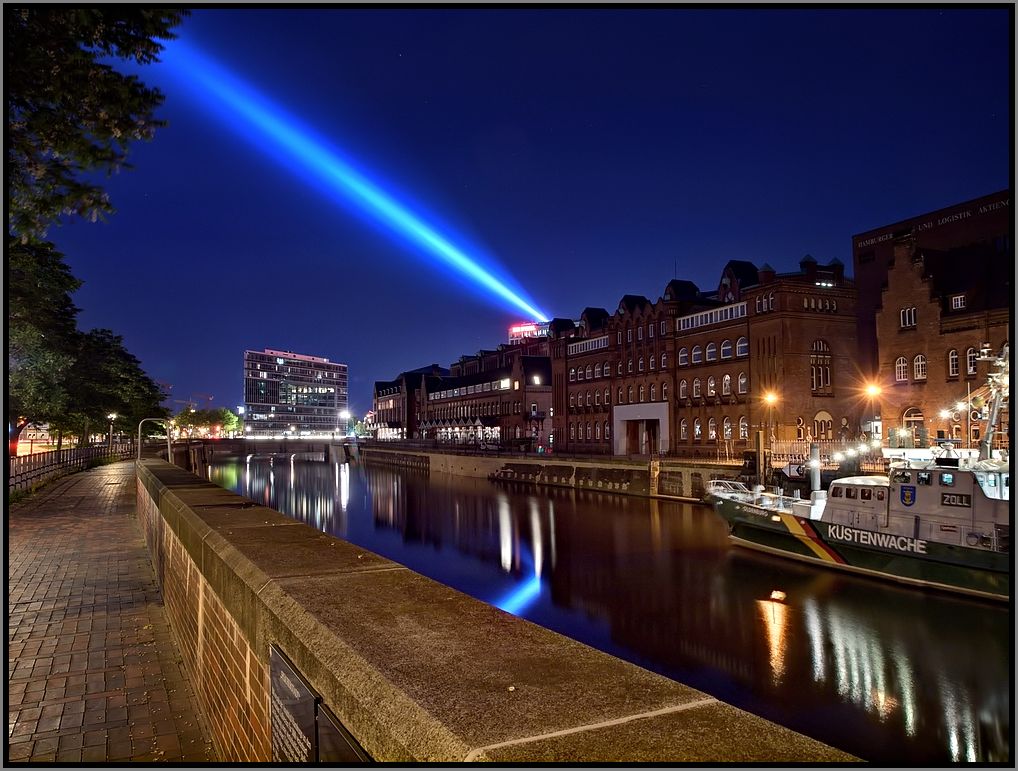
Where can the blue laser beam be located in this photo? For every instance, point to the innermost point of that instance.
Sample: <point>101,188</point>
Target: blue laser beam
<point>289,139</point>
<point>520,597</point>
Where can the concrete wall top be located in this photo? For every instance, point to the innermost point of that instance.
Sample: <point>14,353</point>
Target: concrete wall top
<point>418,671</point>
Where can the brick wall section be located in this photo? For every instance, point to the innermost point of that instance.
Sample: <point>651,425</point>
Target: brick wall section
<point>231,683</point>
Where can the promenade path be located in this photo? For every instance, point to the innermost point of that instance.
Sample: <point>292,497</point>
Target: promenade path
<point>93,672</point>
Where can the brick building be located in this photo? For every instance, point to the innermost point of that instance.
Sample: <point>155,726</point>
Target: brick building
<point>985,220</point>
<point>939,308</point>
<point>697,373</point>
<point>499,397</point>
<point>396,408</point>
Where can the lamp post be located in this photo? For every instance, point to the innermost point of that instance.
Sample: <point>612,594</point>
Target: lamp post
<point>770,399</point>
<point>344,415</point>
<point>109,439</point>
<point>873,392</point>
<point>169,448</point>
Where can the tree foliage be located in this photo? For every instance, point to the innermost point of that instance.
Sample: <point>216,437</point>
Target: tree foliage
<point>41,331</point>
<point>68,111</point>
<point>70,114</point>
<point>194,421</point>
<point>105,378</point>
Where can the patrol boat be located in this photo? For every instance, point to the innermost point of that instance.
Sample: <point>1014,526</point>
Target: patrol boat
<point>943,524</point>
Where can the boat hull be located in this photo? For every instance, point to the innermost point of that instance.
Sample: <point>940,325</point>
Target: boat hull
<point>926,564</point>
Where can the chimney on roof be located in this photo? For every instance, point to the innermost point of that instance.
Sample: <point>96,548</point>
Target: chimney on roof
<point>765,274</point>
<point>808,266</point>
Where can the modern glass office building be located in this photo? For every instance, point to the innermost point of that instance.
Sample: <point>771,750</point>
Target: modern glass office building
<point>293,394</point>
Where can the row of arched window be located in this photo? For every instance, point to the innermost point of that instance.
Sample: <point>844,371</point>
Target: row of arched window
<point>639,331</point>
<point>629,395</point>
<point>594,371</point>
<point>710,352</point>
<point>919,365</point>
<point>590,430</point>
<point>711,427</point>
<point>696,389</point>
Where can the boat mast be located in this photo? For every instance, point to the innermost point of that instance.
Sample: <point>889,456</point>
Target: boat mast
<point>999,388</point>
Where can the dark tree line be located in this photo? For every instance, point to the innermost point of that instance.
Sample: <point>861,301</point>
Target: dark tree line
<point>69,115</point>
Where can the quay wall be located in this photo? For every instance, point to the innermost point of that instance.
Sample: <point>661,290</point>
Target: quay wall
<point>675,479</point>
<point>414,670</point>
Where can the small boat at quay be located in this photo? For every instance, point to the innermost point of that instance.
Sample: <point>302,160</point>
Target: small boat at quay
<point>939,524</point>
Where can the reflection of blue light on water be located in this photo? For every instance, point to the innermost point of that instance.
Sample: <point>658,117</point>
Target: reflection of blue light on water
<point>520,597</point>
<point>281,135</point>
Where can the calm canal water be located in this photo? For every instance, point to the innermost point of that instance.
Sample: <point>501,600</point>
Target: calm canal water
<point>891,675</point>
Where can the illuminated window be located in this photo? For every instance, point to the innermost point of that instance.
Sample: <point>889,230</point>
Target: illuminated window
<point>743,428</point>
<point>711,386</point>
<point>726,385</point>
<point>957,302</point>
<point>726,428</point>
<point>712,429</point>
<point>901,369</point>
<point>970,361</point>
<point>820,368</point>
<point>697,430</point>
<point>696,388</point>
<point>919,367</point>
<point>743,383</point>
<point>684,429</point>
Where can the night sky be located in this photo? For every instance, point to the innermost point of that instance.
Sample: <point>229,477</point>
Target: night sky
<point>592,152</point>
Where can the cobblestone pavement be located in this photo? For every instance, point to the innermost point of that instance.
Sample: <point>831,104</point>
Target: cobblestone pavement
<point>92,670</point>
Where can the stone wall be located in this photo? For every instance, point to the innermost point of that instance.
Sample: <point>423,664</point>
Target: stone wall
<point>416,671</point>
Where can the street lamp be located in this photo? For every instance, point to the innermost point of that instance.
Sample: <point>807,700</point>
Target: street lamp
<point>770,399</point>
<point>111,417</point>
<point>344,415</point>
<point>169,448</point>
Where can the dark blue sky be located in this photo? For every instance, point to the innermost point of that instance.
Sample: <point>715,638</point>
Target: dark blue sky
<point>594,152</point>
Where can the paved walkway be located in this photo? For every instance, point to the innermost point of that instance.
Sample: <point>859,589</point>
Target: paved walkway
<point>93,673</point>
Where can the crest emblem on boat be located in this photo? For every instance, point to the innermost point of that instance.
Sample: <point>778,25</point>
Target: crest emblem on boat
<point>908,494</point>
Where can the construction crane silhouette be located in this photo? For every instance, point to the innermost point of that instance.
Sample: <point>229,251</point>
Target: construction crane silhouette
<point>192,403</point>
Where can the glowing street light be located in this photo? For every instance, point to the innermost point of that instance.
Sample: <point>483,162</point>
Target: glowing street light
<point>111,417</point>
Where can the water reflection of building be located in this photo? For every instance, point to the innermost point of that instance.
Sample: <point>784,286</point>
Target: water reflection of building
<point>888,674</point>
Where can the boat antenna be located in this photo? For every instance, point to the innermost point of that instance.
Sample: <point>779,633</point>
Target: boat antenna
<point>999,392</point>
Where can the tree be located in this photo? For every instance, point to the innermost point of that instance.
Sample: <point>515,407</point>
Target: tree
<point>194,421</point>
<point>41,333</point>
<point>105,378</point>
<point>68,111</point>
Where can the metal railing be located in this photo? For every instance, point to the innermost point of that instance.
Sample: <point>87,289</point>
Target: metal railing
<point>25,471</point>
